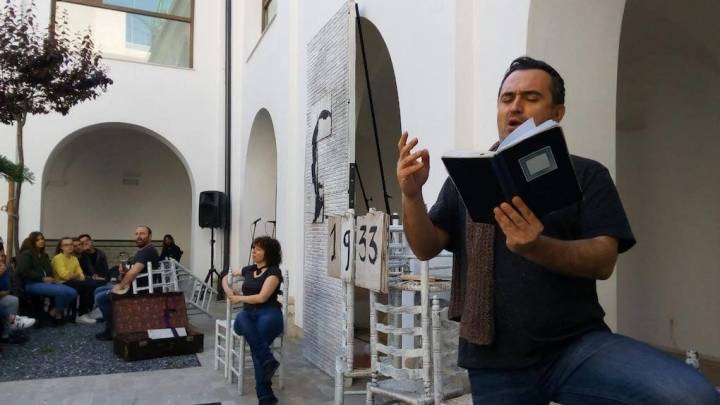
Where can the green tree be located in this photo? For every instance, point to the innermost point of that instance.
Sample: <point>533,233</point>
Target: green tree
<point>41,71</point>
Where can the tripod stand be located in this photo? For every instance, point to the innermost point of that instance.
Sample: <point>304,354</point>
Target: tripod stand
<point>212,273</point>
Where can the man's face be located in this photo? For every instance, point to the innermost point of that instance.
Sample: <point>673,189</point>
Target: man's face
<point>87,244</point>
<point>142,237</point>
<point>526,94</point>
<point>77,247</point>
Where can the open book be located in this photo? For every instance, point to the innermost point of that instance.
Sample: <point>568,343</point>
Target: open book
<point>532,162</point>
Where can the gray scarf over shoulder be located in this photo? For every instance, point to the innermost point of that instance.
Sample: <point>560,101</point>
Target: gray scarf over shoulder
<point>472,294</point>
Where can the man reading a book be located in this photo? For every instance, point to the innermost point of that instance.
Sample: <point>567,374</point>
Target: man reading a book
<point>523,288</point>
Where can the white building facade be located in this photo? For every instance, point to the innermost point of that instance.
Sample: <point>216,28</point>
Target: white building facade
<point>638,74</point>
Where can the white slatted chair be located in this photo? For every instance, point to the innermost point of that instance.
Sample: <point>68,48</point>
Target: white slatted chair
<point>222,332</point>
<point>407,373</point>
<point>147,275</point>
<point>240,358</point>
<point>168,276</point>
<point>199,295</point>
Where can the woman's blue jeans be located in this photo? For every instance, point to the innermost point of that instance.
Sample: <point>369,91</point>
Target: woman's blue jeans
<point>597,368</point>
<point>62,294</point>
<point>260,327</point>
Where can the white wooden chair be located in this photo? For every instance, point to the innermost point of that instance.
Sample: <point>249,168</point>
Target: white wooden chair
<point>240,359</point>
<point>168,276</point>
<point>222,331</point>
<point>146,275</point>
<point>199,295</point>
<point>409,374</point>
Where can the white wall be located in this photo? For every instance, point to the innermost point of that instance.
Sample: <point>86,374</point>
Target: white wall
<point>667,148</point>
<point>83,190</point>
<point>580,39</point>
<point>182,106</point>
<point>261,72</point>
<point>260,186</point>
<point>490,34</point>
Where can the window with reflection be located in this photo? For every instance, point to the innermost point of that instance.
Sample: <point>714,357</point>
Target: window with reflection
<point>149,31</point>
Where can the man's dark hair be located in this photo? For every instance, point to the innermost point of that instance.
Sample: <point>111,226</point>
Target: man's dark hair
<point>75,239</point>
<point>557,87</point>
<point>84,236</point>
<point>273,251</point>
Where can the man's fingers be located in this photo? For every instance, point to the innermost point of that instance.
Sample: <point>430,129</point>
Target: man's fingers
<point>408,147</point>
<point>425,158</point>
<point>502,219</point>
<point>412,158</point>
<point>514,216</point>
<point>410,169</point>
<point>523,208</point>
<point>403,139</point>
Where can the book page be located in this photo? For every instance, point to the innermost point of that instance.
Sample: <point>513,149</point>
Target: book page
<point>525,131</point>
<point>165,333</point>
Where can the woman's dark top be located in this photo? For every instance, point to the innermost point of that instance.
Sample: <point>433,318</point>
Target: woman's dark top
<point>252,285</point>
<point>173,251</point>
<point>32,268</point>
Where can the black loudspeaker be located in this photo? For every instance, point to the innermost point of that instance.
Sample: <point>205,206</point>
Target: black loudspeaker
<point>212,209</point>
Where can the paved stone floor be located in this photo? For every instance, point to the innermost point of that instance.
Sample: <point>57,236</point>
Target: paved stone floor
<point>305,384</point>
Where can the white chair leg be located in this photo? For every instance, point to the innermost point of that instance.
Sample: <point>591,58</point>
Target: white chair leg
<point>228,353</point>
<point>369,397</point>
<point>281,372</point>
<point>241,364</point>
<point>217,342</point>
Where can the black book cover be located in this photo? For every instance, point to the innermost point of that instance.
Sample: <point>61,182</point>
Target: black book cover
<point>537,168</point>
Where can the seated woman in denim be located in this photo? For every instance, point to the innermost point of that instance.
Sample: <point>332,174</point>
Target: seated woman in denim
<point>260,320</point>
<point>35,271</point>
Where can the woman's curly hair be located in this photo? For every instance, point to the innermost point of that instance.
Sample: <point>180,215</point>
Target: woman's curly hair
<point>271,246</point>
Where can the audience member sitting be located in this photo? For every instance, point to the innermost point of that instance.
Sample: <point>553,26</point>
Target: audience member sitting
<point>169,249</point>
<point>66,270</point>
<point>77,247</point>
<point>10,321</point>
<point>260,320</point>
<point>93,261</point>
<point>146,254</point>
<point>35,271</point>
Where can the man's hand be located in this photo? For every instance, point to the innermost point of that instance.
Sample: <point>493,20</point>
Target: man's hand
<point>411,172</point>
<point>521,227</point>
<point>119,289</point>
<point>48,280</point>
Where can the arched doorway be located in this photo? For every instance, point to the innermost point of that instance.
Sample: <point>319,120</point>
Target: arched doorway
<point>259,196</point>
<point>369,191</point>
<point>106,179</point>
<point>667,148</point>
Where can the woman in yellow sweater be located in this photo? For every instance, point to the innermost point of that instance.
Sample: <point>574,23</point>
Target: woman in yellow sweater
<point>66,269</point>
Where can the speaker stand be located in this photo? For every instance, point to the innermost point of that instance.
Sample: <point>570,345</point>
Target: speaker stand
<point>212,273</point>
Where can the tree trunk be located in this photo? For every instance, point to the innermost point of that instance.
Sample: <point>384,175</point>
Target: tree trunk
<point>18,186</point>
<point>10,241</point>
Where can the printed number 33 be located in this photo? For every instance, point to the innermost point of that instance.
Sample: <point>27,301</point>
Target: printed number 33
<point>372,245</point>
